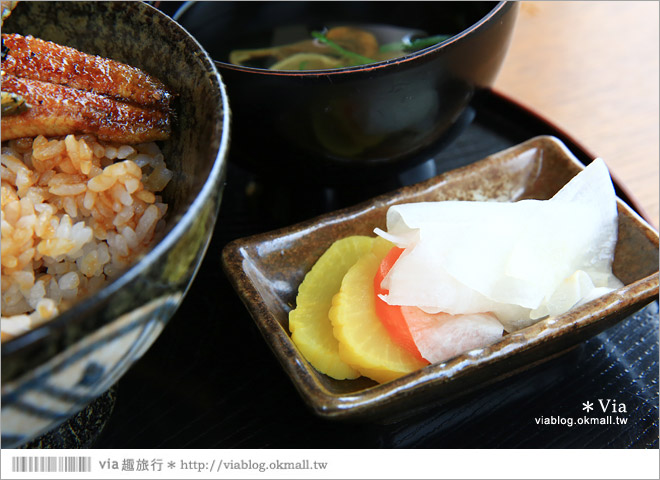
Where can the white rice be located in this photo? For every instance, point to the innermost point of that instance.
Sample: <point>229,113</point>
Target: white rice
<point>76,212</point>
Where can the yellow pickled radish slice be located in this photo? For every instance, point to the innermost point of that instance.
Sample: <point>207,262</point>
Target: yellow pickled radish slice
<point>381,247</point>
<point>309,323</point>
<point>363,340</point>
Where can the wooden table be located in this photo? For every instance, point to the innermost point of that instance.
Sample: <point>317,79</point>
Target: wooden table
<point>592,69</point>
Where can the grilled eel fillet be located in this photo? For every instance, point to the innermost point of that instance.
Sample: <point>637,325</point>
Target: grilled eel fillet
<point>73,92</point>
<point>59,110</point>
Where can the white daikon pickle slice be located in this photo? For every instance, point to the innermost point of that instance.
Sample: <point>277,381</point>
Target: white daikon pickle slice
<point>508,258</point>
<point>442,336</point>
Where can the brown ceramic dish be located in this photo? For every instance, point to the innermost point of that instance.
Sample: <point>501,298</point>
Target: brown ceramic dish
<point>267,269</point>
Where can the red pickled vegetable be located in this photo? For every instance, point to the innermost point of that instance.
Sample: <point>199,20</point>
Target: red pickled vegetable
<point>391,315</point>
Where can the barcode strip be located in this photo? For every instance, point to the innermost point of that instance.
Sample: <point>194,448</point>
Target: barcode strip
<point>51,464</point>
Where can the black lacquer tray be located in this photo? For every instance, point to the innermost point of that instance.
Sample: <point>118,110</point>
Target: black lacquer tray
<point>210,381</point>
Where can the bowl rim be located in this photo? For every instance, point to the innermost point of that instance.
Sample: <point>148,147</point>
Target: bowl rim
<point>498,9</point>
<point>178,230</point>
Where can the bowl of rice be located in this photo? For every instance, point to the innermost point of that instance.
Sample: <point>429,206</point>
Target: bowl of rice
<point>101,240</point>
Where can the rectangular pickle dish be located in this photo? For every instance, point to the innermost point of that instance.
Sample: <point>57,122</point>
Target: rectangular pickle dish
<point>267,269</point>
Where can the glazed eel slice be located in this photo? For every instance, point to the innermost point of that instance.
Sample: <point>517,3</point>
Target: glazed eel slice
<point>59,110</point>
<point>36,59</point>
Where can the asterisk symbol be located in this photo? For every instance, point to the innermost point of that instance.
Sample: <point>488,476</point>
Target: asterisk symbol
<point>171,464</point>
<point>588,406</point>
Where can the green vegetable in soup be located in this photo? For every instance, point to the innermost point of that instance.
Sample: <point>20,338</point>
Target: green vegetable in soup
<point>354,58</point>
